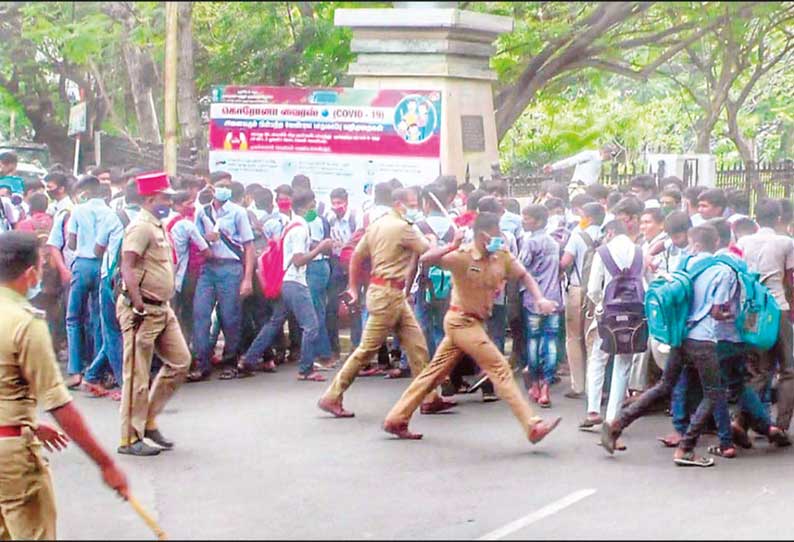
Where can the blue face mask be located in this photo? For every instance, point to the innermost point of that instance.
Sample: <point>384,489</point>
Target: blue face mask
<point>33,291</point>
<point>495,244</point>
<point>161,211</point>
<point>223,194</point>
<point>414,215</point>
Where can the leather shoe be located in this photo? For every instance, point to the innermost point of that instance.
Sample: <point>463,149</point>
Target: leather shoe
<point>540,430</point>
<point>334,407</point>
<point>139,448</point>
<point>439,405</point>
<point>157,437</point>
<point>400,430</point>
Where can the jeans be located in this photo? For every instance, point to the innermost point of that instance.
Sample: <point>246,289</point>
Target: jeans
<point>703,356</point>
<point>497,327</point>
<point>596,373</point>
<point>256,311</point>
<point>431,320</point>
<point>82,305</point>
<point>541,331</point>
<point>112,347</point>
<point>183,305</point>
<point>733,366</point>
<point>318,274</point>
<point>294,298</point>
<point>219,283</point>
<point>763,367</point>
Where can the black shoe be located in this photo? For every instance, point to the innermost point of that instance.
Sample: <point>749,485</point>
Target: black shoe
<point>157,437</point>
<point>489,397</point>
<point>139,448</point>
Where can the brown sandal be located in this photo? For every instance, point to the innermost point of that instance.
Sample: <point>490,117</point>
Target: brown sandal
<point>311,377</point>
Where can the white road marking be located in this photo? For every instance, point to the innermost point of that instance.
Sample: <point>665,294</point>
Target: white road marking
<point>529,519</point>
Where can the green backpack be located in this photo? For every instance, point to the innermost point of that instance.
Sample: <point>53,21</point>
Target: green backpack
<point>436,281</point>
<point>758,320</point>
<point>669,297</point>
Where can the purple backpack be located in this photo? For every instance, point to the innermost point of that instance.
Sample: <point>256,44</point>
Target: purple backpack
<point>622,325</point>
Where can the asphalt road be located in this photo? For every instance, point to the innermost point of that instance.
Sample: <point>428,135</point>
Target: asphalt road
<point>256,459</point>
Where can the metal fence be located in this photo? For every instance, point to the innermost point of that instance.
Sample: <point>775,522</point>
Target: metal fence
<point>766,178</point>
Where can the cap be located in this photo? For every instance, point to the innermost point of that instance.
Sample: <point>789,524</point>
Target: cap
<point>153,183</point>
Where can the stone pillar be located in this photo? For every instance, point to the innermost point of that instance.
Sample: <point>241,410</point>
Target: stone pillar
<point>435,46</point>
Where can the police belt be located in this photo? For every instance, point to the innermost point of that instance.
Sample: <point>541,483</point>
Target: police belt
<point>397,284</point>
<point>146,300</point>
<point>460,311</point>
<point>7,431</point>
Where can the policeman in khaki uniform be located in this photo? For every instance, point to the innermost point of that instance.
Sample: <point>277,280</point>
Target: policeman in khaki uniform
<point>29,377</point>
<point>147,321</point>
<point>479,270</point>
<point>391,243</point>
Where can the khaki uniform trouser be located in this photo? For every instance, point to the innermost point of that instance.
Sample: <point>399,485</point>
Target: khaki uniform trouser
<point>465,335</point>
<point>27,499</point>
<point>388,310</point>
<point>575,347</point>
<point>160,332</point>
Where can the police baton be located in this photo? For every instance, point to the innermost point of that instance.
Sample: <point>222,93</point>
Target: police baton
<point>148,519</point>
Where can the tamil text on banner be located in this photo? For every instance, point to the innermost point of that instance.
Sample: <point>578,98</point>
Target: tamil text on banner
<point>338,137</point>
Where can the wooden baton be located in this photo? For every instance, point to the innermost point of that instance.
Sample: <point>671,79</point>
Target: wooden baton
<point>149,520</point>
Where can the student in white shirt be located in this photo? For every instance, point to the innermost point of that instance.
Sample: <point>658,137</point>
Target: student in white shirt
<point>587,165</point>
<point>295,295</point>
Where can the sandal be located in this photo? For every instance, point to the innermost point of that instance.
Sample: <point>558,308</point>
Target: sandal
<point>198,376</point>
<point>311,377</point>
<point>269,367</point>
<point>690,460</point>
<point>721,451</point>
<point>94,389</point>
<point>244,371</point>
<point>670,441</point>
<point>74,381</point>
<point>398,373</point>
<point>229,373</point>
<point>739,436</point>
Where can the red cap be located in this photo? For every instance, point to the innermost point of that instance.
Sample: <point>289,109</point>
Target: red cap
<point>153,183</point>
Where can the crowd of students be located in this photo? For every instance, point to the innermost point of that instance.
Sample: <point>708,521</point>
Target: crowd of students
<point>591,249</point>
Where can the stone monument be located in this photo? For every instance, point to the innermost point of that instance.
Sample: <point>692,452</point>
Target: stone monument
<point>435,46</point>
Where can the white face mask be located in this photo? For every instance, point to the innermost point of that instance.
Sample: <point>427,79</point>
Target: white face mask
<point>34,290</point>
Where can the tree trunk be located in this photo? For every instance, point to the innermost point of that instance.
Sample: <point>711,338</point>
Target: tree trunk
<point>187,100</point>
<point>735,134</point>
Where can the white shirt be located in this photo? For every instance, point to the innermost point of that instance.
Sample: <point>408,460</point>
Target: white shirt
<point>622,250</point>
<point>577,247</point>
<point>64,204</point>
<point>296,241</point>
<point>588,166</point>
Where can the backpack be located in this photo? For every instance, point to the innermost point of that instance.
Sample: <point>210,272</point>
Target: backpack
<point>435,281</point>
<point>758,319</point>
<point>622,325</point>
<point>270,268</point>
<point>195,260</point>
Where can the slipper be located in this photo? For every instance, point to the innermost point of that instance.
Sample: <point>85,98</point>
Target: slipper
<point>739,436</point>
<point>727,453</point>
<point>230,373</point>
<point>94,389</point>
<point>311,377</point>
<point>689,460</point>
<point>75,384</point>
<point>398,373</point>
<point>670,441</point>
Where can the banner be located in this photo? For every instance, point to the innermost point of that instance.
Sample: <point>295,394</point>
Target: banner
<point>338,137</point>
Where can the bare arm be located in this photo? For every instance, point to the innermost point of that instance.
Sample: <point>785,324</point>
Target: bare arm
<point>73,424</point>
<point>302,259</point>
<point>72,241</point>
<point>434,255</point>
<point>99,251</point>
<point>566,261</point>
<point>60,264</point>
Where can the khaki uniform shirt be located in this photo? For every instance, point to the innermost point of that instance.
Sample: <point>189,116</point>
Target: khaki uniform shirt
<point>391,242</point>
<point>29,374</point>
<point>146,237</point>
<point>478,278</point>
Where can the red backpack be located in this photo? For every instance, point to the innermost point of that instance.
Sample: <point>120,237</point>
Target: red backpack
<point>270,269</point>
<point>195,259</point>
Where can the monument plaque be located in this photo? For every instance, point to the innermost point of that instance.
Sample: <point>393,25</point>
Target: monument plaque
<point>472,131</point>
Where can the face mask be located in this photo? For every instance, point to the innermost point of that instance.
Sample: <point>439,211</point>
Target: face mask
<point>34,290</point>
<point>414,215</point>
<point>495,244</point>
<point>161,210</point>
<point>189,212</point>
<point>53,194</point>
<point>341,210</point>
<point>584,223</point>
<point>223,194</point>
<point>284,205</point>
<point>667,210</point>
<point>310,216</point>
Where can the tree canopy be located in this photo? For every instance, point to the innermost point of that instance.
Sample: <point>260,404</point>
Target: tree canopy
<point>680,76</point>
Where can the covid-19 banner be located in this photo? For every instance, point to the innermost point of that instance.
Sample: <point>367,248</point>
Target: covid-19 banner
<point>338,137</point>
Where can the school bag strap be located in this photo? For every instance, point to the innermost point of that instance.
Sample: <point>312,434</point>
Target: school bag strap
<point>231,245</point>
<point>612,267</point>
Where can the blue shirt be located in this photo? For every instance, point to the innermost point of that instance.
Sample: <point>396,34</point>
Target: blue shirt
<point>540,255</point>
<point>110,234</point>
<point>182,234</point>
<point>232,221</point>
<point>274,225</point>
<point>511,222</point>
<point>714,286</point>
<point>85,222</point>
<point>726,329</point>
